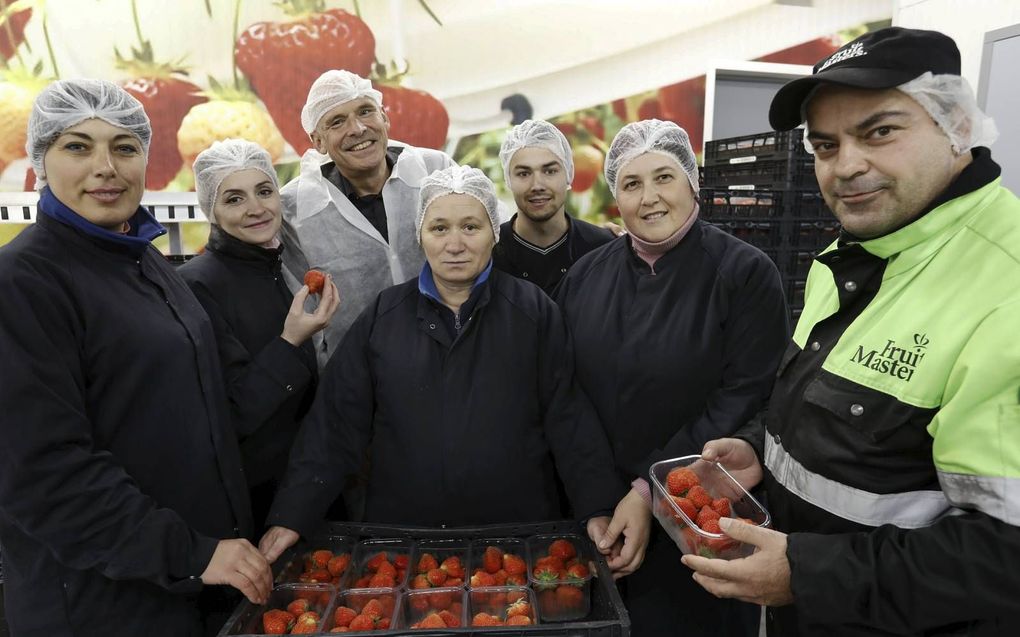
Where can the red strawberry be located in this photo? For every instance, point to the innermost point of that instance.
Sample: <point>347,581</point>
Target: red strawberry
<point>386,568</point>
<point>515,596</point>
<point>419,602</point>
<point>485,619</point>
<point>453,582</point>
<point>492,559</point>
<point>427,562</point>
<point>516,580</point>
<point>587,167</point>
<point>432,620</point>
<point>451,620</point>
<point>277,622</point>
<point>401,561</point>
<point>282,60</point>
<point>481,578</point>
<point>687,507</point>
<point>547,601</point>
<point>321,576</point>
<point>520,607</point>
<point>722,507</point>
<point>381,580</point>
<point>373,609</point>
<point>679,480</point>
<point>416,118</point>
<point>362,622</point>
<point>546,574</point>
<point>500,577</point>
<point>577,573</point>
<point>12,27</point>
<point>514,565</point>
<point>315,281</point>
<point>706,514</point>
<point>321,558</point>
<point>594,125</point>
<point>552,562</point>
<point>569,597</point>
<point>440,601</point>
<point>338,564</point>
<point>436,577</point>
<point>453,567</point>
<point>373,562</point>
<point>699,497</point>
<point>420,581</point>
<point>306,624</point>
<point>518,620</point>
<point>343,616</point>
<point>298,606</point>
<point>620,109</point>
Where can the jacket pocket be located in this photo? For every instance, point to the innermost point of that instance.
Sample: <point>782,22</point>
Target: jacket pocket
<point>871,413</point>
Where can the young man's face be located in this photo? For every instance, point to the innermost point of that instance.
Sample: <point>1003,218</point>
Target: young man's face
<point>354,135</point>
<point>538,182</point>
<point>880,159</point>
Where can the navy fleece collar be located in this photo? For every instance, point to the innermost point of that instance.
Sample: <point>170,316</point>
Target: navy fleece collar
<point>143,226</point>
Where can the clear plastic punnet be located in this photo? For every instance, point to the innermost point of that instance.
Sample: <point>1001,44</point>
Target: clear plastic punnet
<point>690,495</point>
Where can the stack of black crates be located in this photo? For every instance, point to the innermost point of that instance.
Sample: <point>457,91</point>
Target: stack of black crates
<point>762,189</point>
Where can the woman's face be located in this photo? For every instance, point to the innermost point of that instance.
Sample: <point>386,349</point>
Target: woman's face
<point>248,206</point>
<point>97,170</point>
<point>457,238</point>
<point>654,196</point>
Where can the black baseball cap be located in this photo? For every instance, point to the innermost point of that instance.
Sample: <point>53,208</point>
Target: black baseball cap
<point>880,59</point>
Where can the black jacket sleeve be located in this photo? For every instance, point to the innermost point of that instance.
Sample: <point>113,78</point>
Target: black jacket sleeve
<point>579,444</point>
<point>756,332</point>
<point>56,485</point>
<point>334,436</point>
<point>908,581</point>
<point>257,384</point>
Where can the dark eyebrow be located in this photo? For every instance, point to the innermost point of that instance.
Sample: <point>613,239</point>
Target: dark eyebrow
<point>233,191</point>
<point>264,183</point>
<point>860,126</point>
<point>659,170</point>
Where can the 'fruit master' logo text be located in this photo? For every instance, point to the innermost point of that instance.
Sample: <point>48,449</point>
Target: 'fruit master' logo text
<point>899,362</point>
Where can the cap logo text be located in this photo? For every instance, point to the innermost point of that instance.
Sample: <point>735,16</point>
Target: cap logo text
<point>855,50</point>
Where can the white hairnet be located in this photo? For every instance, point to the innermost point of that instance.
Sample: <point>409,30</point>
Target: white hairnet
<point>221,160</point>
<point>651,136</point>
<point>66,103</point>
<point>949,100</point>
<point>540,134</point>
<point>332,89</point>
<point>461,180</point>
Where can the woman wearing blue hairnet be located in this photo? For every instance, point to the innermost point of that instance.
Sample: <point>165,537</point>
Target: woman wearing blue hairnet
<point>262,330</point>
<point>121,489</point>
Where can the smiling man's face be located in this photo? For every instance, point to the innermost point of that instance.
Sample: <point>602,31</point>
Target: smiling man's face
<point>354,135</point>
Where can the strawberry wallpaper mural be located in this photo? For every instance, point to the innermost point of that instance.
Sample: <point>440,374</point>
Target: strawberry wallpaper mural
<point>210,69</point>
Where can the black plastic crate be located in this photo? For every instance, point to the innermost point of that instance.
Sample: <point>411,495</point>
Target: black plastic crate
<point>764,235</point>
<point>719,204</point>
<point>795,292</point>
<point>745,148</point>
<point>608,616</point>
<point>813,235</point>
<point>782,174</point>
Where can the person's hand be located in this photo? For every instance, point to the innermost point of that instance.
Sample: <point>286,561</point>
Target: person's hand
<point>632,524</point>
<point>761,578</point>
<point>300,325</point>
<point>277,540</point>
<point>617,230</point>
<point>597,528</point>
<point>239,564</point>
<point>738,457</point>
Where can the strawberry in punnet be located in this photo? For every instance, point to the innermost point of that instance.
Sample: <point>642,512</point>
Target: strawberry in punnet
<point>563,549</point>
<point>723,507</point>
<point>306,624</point>
<point>452,567</point>
<point>514,565</point>
<point>705,515</point>
<point>362,622</point>
<point>373,609</point>
<point>401,561</point>
<point>283,59</point>
<point>13,17</point>
<point>687,507</point>
<point>320,559</point>
<point>450,619</point>
<point>546,575</point>
<point>520,607</point>
<point>485,619</point>
<point>699,497</point>
<point>679,480</point>
<point>343,616</point>
<point>441,601</point>
<point>436,577</point>
<point>518,620</point>
<point>420,581</point>
<point>492,559</point>
<point>427,562</point>
<point>376,560</point>
<point>338,563</point>
<point>382,580</point>
<point>277,622</point>
<point>18,90</point>
<point>587,167</point>
<point>569,597</point>
<point>432,620</point>
<point>577,574</point>
<point>481,579</point>
<point>298,606</point>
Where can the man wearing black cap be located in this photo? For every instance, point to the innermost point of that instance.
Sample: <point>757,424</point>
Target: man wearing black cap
<point>891,448</point>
